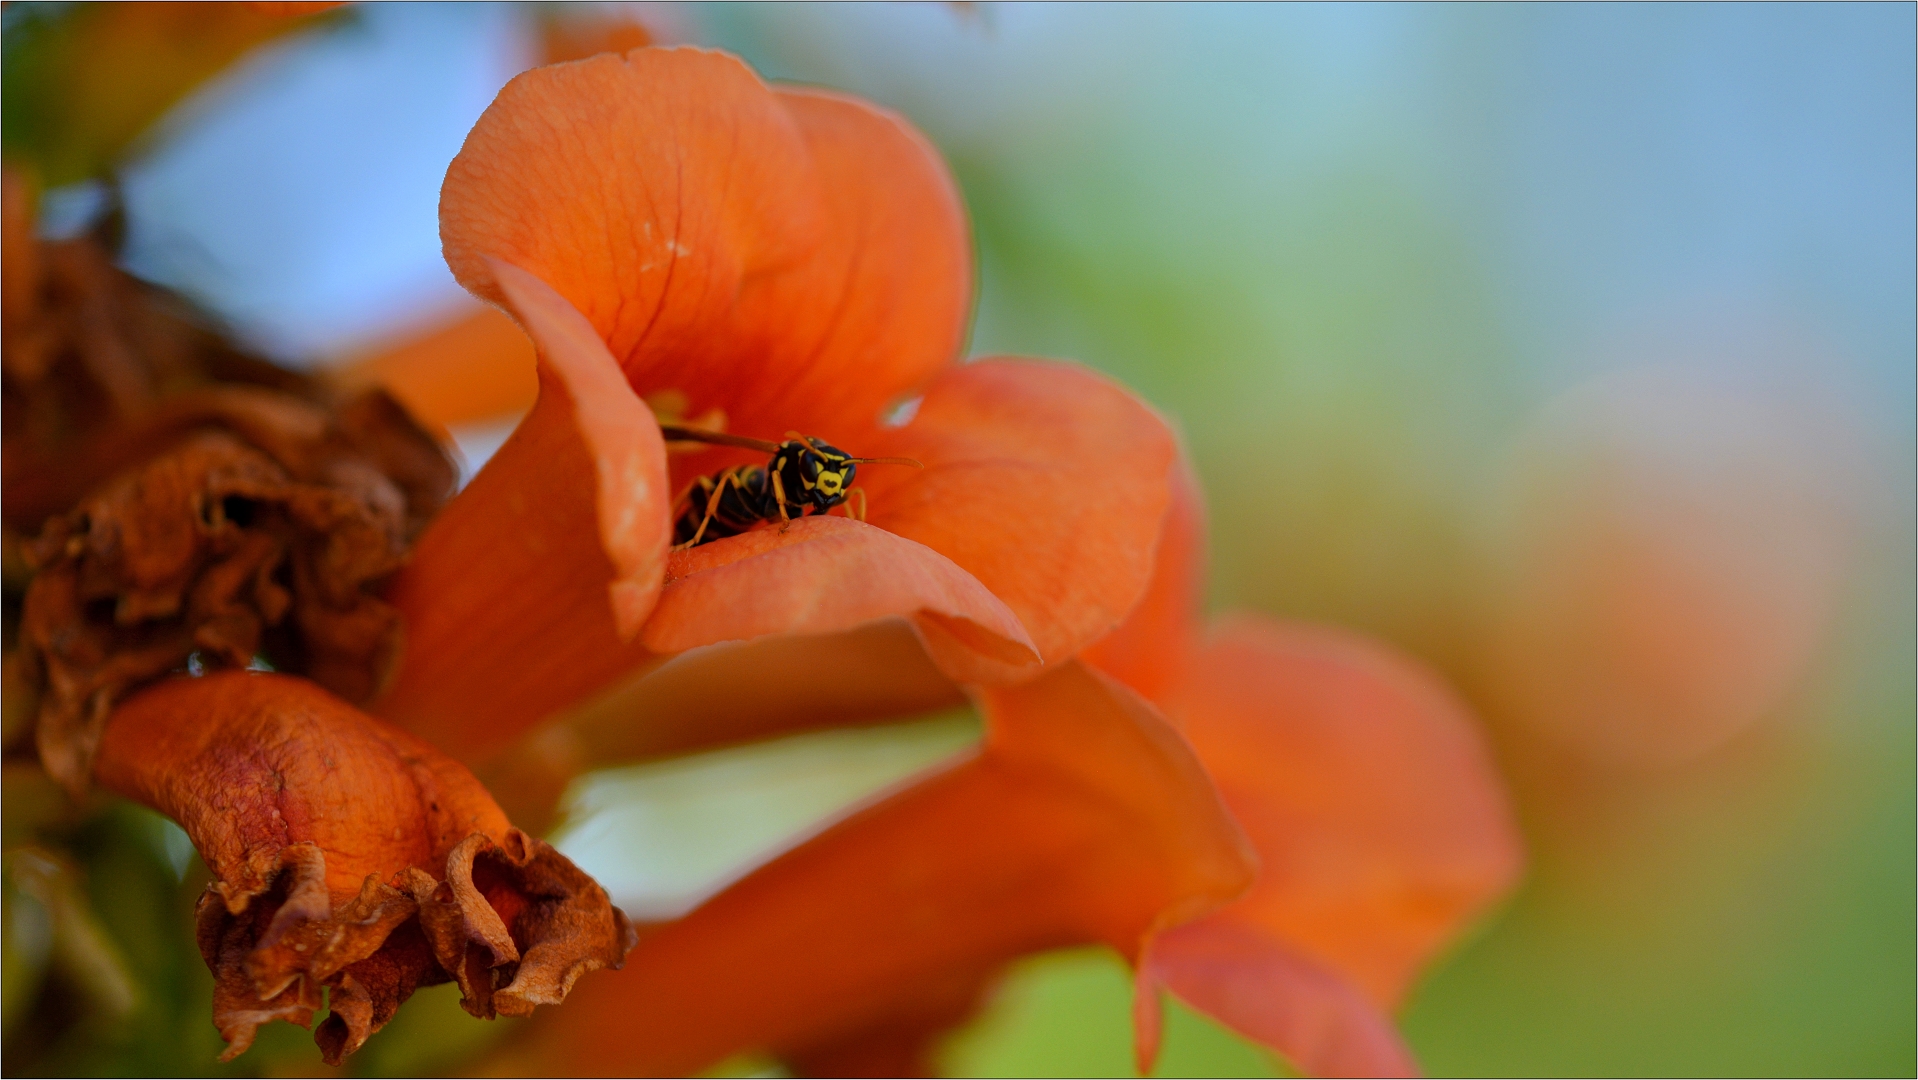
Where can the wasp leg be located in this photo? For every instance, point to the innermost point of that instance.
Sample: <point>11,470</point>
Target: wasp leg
<point>712,505</point>
<point>700,483</point>
<point>779,496</point>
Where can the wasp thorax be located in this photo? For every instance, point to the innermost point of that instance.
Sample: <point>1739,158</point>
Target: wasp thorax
<point>805,476</point>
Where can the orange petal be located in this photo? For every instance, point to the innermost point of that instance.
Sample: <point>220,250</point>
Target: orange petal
<point>797,259</point>
<point>1264,990</point>
<point>738,692</point>
<point>1152,647</point>
<point>473,367</point>
<point>1084,819</point>
<point>1046,482</point>
<point>821,575</point>
<point>1381,825</point>
<point>348,854</point>
<point>526,592</point>
<point>724,695</point>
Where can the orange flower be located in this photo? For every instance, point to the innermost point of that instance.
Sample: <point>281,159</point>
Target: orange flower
<point>349,855</point>
<point>669,230</point>
<point>1084,818</point>
<point>216,508</point>
<point>679,240</point>
<point>1374,829</point>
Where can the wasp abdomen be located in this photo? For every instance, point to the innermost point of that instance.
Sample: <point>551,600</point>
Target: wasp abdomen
<point>744,496</point>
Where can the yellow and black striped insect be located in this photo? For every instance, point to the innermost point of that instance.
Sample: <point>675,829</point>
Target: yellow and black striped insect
<point>805,476</point>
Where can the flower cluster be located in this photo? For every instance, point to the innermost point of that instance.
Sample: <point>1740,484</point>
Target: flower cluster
<point>1280,824</point>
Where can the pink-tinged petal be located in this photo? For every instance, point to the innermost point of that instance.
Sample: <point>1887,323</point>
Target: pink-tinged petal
<point>1043,480</point>
<point>1085,818</point>
<point>528,591</point>
<point>1268,992</point>
<point>1381,826</point>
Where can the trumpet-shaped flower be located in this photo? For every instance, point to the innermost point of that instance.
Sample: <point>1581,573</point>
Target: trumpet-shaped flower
<point>1280,824</point>
<point>678,238</point>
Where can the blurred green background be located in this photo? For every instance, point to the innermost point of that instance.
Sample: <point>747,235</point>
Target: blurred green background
<point>1569,348</point>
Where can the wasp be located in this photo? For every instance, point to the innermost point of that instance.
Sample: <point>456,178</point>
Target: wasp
<point>805,476</point>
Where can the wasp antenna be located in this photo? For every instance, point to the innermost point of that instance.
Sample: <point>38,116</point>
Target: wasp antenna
<point>675,433</point>
<point>812,443</point>
<point>914,462</point>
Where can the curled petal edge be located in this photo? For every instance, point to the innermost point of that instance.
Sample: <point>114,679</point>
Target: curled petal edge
<point>824,575</point>
<point>1268,993</point>
<point>274,779</point>
<point>571,520</point>
<point>794,257</point>
<point>1043,480</point>
<point>1084,818</point>
<point>1381,825</point>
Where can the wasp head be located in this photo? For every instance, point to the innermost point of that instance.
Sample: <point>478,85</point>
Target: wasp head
<point>817,473</point>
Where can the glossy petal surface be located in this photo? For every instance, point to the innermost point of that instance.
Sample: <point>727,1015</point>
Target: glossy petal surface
<point>821,575</point>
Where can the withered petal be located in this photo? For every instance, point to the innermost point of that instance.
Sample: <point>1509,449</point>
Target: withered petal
<point>19,258</point>
<point>350,855</point>
<point>250,521</point>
